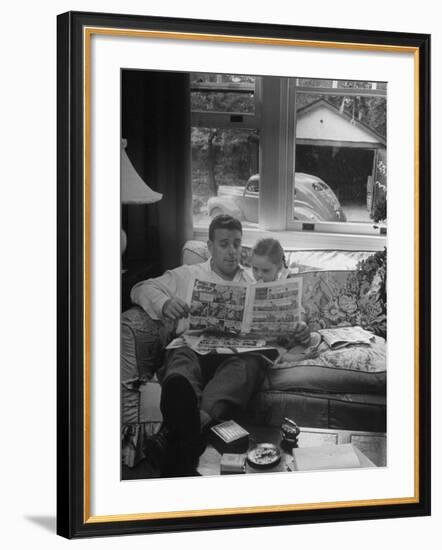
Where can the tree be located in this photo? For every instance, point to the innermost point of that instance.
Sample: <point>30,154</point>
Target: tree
<point>222,156</point>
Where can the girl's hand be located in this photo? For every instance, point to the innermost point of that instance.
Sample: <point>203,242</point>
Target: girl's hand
<point>302,333</point>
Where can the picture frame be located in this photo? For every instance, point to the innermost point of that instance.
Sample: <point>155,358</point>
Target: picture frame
<point>76,436</point>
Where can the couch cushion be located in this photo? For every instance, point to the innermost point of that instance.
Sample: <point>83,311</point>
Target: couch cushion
<point>339,298</point>
<point>317,378</point>
<point>195,252</point>
<point>313,260</point>
<point>269,406</point>
<point>353,369</point>
<point>319,410</point>
<point>299,261</point>
<point>142,344</point>
<point>150,395</point>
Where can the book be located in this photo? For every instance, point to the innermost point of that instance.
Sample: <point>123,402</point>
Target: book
<point>232,463</point>
<point>326,457</point>
<point>341,337</point>
<point>229,437</point>
<point>242,316</point>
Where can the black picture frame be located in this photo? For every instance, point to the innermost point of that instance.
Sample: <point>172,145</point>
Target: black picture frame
<point>73,517</point>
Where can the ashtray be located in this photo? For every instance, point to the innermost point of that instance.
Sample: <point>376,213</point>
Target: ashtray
<point>264,455</point>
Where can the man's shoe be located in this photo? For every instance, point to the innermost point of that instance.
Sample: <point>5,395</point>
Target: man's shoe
<point>181,415</point>
<point>179,407</point>
<point>172,457</point>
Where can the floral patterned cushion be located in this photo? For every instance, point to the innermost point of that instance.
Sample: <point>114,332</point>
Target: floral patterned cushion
<point>341,298</point>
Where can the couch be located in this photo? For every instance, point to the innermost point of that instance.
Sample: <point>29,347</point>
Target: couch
<point>343,389</point>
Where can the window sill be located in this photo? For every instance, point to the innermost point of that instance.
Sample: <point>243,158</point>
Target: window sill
<point>314,240</point>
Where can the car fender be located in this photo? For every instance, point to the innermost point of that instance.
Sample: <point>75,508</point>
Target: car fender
<point>227,205</point>
<point>304,212</point>
<point>314,199</point>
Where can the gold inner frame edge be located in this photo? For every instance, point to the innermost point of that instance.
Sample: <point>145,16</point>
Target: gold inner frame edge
<point>87,33</point>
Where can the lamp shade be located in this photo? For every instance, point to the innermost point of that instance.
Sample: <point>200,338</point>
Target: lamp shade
<point>133,189</point>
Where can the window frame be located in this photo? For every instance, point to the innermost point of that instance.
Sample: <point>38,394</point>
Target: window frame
<point>217,119</point>
<point>359,228</point>
<point>277,117</point>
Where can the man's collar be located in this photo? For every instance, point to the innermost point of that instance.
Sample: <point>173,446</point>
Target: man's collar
<point>239,271</point>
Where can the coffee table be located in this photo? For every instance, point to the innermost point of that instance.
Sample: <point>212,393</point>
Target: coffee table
<point>371,447</point>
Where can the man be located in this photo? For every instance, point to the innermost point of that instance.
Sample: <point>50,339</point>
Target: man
<point>198,390</point>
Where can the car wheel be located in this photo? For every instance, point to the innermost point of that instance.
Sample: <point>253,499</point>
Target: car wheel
<point>216,212</point>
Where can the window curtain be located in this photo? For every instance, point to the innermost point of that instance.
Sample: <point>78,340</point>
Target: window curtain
<point>156,123</point>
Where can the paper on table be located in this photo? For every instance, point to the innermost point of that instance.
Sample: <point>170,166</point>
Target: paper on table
<point>326,457</point>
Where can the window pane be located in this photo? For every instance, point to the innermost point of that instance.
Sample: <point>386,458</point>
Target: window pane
<point>201,78</point>
<point>340,141</point>
<point>352,84</point>
<point>237,78</point>
<point>223,161</point>
<point>315,82</point>
<point>224,102</point>
<point>222,93</point>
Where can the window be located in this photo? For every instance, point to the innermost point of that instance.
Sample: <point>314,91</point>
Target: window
<point>222,93</point>
<point>338,141</point>
<point>290,155</point>
<point>225,145</point>
<point>223,159</point>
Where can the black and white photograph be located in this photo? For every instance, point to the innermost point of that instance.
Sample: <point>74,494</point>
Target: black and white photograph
<point>269,172</point>
<point>252,147</point>
<point>253,179</point>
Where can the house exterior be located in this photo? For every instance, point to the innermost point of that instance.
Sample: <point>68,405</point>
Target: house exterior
<point>341,150</point>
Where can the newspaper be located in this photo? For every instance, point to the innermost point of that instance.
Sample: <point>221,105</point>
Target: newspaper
<point>240,317</point>
<point>204,343</point>
<point>341,337</point>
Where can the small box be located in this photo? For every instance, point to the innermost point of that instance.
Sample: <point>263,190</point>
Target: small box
<point>232,463</point>
<point>229,437</point>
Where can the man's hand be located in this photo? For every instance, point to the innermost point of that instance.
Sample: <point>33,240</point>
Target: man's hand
<point>175,309</point>
<point>302,333</point>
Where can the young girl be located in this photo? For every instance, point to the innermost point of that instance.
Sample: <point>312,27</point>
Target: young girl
<point>268,264</point>
<point>268,261</point>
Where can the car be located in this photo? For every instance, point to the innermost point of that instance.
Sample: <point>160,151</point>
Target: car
<point>313,200</point>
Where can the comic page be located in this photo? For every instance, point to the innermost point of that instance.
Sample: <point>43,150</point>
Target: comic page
<point>273,308</point>
<point>217,307</point>
<point>242,317</point>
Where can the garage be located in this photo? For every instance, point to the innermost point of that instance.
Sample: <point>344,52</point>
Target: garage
<point>342,151</point>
